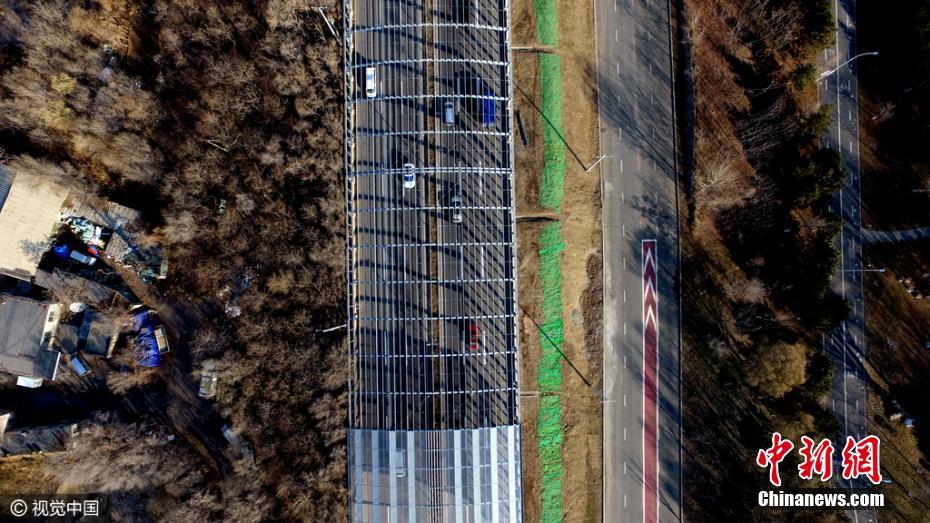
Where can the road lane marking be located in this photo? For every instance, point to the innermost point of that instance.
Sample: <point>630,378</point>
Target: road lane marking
<point>618,68</point>
<point>624,433</point>
<point>482,260</point>
<point>624,333</point>
<point>620,129</point>
<point>624,467</point>
<point>621,165</point>
<point>624,404</point>
<point>650,381</point>
<point>616,36</point>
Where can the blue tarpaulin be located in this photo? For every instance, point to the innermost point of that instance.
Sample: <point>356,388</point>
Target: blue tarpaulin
<point>146,344</point>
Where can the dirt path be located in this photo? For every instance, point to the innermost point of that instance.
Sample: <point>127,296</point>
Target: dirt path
<point>581,269</point>
<point>194,419</point>
<point>580,262</point>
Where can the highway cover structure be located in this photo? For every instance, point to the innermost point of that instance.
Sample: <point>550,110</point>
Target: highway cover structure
<point>434,427</point>
<point>642,312</point>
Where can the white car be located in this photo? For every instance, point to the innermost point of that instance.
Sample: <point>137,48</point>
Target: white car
<point>448,113</point>
<point>371,82</point>
<point>83,258</point>
<point>455,205</point>
<point>410,176</point>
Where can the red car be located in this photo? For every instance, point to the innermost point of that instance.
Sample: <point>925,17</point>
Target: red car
<point>474,337</point>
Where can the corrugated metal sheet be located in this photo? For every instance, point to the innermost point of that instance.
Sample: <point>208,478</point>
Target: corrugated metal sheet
<point>27,221</point>
<point>457,476</point>
<point>6,182</point>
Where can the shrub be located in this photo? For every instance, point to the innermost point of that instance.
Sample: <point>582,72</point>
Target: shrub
<point>777,369</point>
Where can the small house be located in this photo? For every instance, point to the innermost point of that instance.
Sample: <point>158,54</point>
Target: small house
<point>29,213</point>
<point>27,336</point>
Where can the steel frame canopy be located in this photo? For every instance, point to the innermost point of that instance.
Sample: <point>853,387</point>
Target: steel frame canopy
<point>434,429</point>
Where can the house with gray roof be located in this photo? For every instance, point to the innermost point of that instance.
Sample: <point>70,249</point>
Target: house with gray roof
<point>27,337</point>
<point>91,332</point>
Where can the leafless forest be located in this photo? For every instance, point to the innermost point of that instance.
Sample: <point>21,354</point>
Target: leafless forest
<point>221,121</point>
<point>759,253</point>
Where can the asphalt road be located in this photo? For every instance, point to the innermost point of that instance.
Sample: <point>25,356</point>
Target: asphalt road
<point>846,344</point>
<point>895,236</point>
<point>642,410</point>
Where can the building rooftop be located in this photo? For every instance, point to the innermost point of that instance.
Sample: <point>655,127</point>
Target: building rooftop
<point>67,285</point>
<point>29,440</point>
<point>28,217</point>
<point>26,329</point>
<point>91,332</point>
<point>122,220</point>
<point>6,182</point>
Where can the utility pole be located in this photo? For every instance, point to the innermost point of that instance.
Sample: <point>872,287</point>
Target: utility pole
<point>321,10</point>
<point>331,329</point>
<point>596,161</point>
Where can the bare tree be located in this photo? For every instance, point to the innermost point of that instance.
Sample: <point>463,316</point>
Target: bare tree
<point>763,131</point>
<point>718,183</point>
<point>884,112</point>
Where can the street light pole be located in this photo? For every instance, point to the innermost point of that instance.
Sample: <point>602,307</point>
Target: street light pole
<point>837,68</point>
<point>596,161</point>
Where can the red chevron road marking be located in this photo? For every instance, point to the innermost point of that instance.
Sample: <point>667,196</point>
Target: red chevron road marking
<point>650,383</point>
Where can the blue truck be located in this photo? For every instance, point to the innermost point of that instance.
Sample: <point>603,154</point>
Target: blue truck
<point>488,107</point>
<point>479,97</point>
<point>151,341</point>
